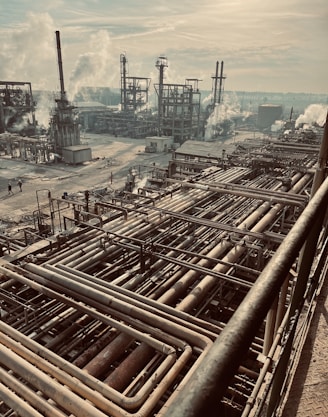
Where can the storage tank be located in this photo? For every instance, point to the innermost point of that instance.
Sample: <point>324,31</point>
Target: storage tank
<point>268,114</point>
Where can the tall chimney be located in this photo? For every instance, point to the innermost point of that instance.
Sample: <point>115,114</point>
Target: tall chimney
<point>60,66</point>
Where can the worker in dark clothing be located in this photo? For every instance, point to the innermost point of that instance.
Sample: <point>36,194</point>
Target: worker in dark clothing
<point>9,188</point>
<point>19,183</point>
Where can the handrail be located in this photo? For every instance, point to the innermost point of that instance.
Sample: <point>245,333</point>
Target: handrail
<point>202,393</point>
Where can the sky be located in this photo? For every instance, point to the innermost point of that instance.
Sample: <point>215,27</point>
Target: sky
<point>266,45</point>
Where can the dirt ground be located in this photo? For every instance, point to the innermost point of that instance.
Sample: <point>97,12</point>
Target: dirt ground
<point>111,159</point>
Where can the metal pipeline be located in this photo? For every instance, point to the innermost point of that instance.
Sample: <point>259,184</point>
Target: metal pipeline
<point>171,314</point>
<point>16,403</point>
<point>212,377</point>
<point>113,207</point>
<point>34,399</point>
<point>103,361</point>
<point>91,351</point>
<point>126,401</point>
<point>110,299</point>
<point>266,214</point>
<point>65,398</point>
<point>166,379</point>
<point>248,192</point>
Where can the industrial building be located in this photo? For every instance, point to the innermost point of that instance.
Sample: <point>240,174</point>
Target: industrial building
<point>268,114</point>
<point>17,107</point>
<point>20,135</point>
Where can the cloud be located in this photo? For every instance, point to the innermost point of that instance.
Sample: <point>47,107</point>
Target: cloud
<point>277,46</point>
<point>28,50</point>
<point>93,68</point>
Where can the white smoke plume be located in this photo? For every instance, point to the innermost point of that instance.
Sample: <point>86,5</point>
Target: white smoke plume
<point>97,67</point>
<point>28,52</point>
<point>45,102</point>
<point>313,114</point>
<point>277,126</point>
<point>225,111</point>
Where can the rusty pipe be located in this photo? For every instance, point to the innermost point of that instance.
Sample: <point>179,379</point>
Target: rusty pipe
<point>65,398</point>
<point>35,400</point>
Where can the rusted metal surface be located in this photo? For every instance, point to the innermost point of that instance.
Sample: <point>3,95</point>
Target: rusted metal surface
<point>161,307</point>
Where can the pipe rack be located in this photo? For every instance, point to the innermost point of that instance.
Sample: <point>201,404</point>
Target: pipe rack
<point>137,314</point>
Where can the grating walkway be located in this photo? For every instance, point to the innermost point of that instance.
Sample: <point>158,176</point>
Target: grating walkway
<point>308,396</point>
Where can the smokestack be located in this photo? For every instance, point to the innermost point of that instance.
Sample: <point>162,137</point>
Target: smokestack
<point>221,79</point>
<point>60,66</point>
<point>216,82</point>
<point>123,82</point>
<point>161,64</point>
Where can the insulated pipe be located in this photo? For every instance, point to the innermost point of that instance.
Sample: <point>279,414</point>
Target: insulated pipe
<point>258,193</point>
<point>207,282</point>
<point>157,308</point>
<point>200,396</point>
<point>33,399</point>
<point>65,398</point>
<point>166,381</point>
<point>17,404</point>
<point>103,296</point>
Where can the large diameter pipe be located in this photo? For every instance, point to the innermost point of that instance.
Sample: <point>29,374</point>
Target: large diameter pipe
<point>197,294</point>
<point>64,397</point>
<point>16,403</point>
<point>103,361</point>
<point>33,399</point>
<point>201,395</point>
<point>153,397</point>
<point>122,375</point>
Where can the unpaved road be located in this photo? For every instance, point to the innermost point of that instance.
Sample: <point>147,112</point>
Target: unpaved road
<point>111,159</point>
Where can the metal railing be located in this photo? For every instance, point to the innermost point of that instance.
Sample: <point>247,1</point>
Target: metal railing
<point>203,392</point>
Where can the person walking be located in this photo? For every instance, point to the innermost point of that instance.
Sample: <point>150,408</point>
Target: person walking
<point>19,183</point>
<point>9,189</point>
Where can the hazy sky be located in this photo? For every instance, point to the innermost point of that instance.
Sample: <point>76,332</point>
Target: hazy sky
<point>266,45</point>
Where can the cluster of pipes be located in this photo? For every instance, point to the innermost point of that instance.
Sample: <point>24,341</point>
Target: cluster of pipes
<point>125,310</point>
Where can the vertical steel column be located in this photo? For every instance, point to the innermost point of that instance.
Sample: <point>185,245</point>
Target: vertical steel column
<point>161,64</point>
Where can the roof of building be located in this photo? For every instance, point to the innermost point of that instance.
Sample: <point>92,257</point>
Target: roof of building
<point>89,104</point>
